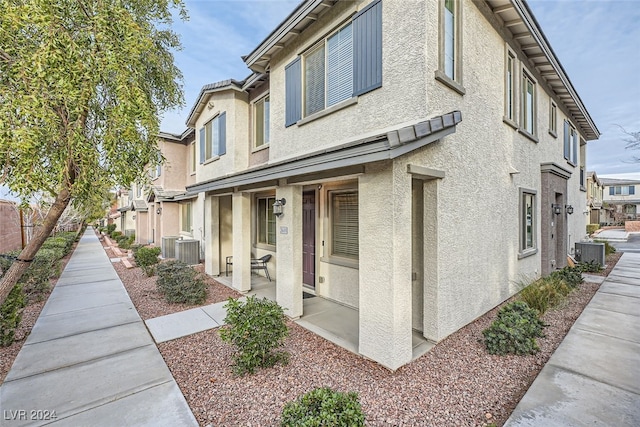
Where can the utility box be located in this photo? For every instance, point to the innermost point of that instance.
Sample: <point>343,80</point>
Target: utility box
<point>169,246</point>
<point>590,252</point>
<point>188,251</point>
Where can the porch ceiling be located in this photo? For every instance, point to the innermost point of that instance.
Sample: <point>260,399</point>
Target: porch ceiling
<point>388,145</point>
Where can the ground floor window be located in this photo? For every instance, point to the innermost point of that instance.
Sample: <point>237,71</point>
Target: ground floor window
<point>266,226</point>
<point>186,217</point>
<point>527,220</point>
<point>344,223</point>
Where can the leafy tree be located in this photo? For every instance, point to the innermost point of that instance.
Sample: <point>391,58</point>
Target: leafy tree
<point>82,86</point>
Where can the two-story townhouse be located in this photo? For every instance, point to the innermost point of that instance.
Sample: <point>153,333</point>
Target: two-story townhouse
<point>595,197</point>
<point>126,223</point>
<point>168,204</point>
<point>622,199</point>
<point>411,160</point>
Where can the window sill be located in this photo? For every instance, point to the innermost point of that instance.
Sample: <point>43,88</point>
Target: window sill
<point>265,247</point>
<point>583,188</point>
<point>344,262</point>
<point>570,163</point>
<point>211,160</point>
<point>527,253</point>
<point>260,148</point>
<point>553,134</point>
<point>339,106</point>
<point>528,135</point>
<point>186,234</point>
<point>447,81</point>
<point>510,122</point>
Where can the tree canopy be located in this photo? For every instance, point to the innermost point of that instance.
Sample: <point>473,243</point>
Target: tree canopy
<point>82,86</point>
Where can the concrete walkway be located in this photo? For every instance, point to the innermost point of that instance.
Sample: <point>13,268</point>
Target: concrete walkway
<point>612,235</point>
<point>89,359</point>
<point>593,378</point>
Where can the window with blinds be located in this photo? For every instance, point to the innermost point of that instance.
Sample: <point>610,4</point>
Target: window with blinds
<point>340,66</point>
<point>262,121</point>
<point>314,81</point>
<point>344,223</point>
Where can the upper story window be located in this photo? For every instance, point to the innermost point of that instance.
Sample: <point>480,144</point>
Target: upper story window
<point>528,104</point>
<point>450,58</point>
<point>510,83</point>
<point>622,190</point>
<point>262,113</point>
<point>192,156</point>
<point>213,138</point>
<point>570,143</point>
<point>346,64</point>
<point>553,119</point>
<point>156,171</point>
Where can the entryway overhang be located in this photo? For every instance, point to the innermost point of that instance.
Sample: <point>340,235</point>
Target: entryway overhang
<point>345,159</point>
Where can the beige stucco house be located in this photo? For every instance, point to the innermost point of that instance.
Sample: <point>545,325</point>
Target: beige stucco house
<point>595,197</point>
<point>422,157</point>
<point>622,197</point>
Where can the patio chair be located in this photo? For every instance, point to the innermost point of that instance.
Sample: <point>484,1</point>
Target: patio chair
<point>261,264</point>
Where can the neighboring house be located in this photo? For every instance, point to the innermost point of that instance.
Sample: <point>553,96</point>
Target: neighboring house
<point>622,196</point>
<point>595,197</point>
<point>412,160</point>
<point>126,223</point>
<point>11,237</point>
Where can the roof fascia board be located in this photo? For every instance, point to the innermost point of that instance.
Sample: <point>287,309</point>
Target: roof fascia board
<point>534,28</point>
<point>300,13</point>
<point>195,111</point>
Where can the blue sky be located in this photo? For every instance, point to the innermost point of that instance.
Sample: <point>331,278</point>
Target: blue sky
<point>597,42</point>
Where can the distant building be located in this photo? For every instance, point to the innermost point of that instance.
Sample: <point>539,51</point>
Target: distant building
<point>622,199</point>
<point>10,229</point>
<point>595,197</point>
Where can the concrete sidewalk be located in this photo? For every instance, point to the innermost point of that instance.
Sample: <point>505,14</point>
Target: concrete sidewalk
<point>593,378</point>
<point>89,359</point>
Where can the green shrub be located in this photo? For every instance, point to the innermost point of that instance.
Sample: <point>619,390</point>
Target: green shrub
<point>57,243</point>
<point>45,265</point>
<point>116,234</point>
<point>10,315</point>
<point>146,258</point>
<point>125,242</point>
<point>323,407</point>
<point>571,275</point>
<point>591,228</point>
<point>544,293</point>
<point>514,331</point>
<point>111,228</point>
<point>609,249</point>
<point>256,328</point>
<point>178,282</point>
<point>592,266</point>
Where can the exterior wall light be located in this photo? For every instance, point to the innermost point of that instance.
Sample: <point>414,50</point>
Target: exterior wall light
<point>557,209</point>
<point>159,211</point>
<point>569,209</point>
<point>277,206</point>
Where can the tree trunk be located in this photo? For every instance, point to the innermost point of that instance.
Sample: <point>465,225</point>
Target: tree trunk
<point>14,273</point>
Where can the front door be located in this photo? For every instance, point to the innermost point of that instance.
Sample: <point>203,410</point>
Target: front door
<point>309,238</point>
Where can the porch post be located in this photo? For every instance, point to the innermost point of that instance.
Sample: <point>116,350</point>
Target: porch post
<point>212,239</point>
<point>241,203</point>
<point>385,264</point>
<point>289,251</point>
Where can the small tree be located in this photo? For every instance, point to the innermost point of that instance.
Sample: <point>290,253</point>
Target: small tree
<point>256,328</point>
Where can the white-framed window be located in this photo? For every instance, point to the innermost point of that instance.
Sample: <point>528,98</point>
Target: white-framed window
<point>570,143</point>
<point>553,119</point>
<point>622,190</point>
<point>510,86</point>
<point>528,104</point>
<point>192,156</point>
<point>185,217</point>
<point>266,220</point>
<point>340,67</point>
<point>528,219</point>
<point>328,71</point>
<point>343,212</point>
<point>213,138</point>
<point>261,121</point>
<point>156,170</point>
<point>449,69</point>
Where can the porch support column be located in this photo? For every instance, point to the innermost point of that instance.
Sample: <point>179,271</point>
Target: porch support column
<point>385,264</point>
<point>241,203</point>
<point>289,251</point>
<point>212,239</point>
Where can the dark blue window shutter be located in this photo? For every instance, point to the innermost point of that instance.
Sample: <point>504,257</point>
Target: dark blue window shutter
<point>367,49</point>
<point>202,139</point>
<point>632,189</point>
<point>222,130</point>
<point>293,92</point>
<point>567,141</point>
<point>612,191</point>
